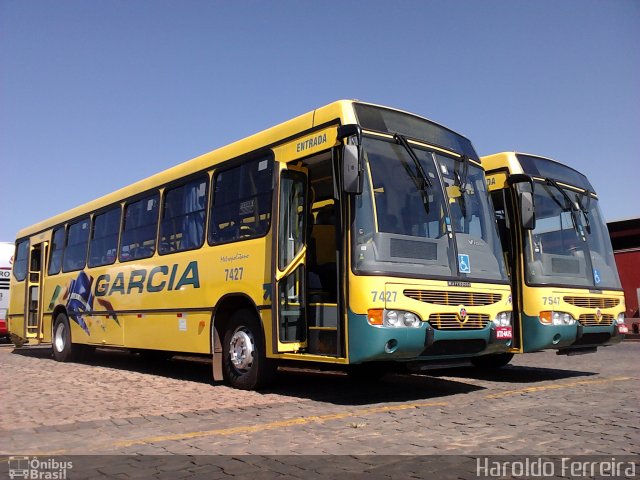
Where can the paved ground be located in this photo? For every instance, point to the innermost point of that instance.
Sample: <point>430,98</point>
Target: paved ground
<point>118,403</point>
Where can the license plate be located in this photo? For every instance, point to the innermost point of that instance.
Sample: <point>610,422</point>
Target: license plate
<point>503,333</point>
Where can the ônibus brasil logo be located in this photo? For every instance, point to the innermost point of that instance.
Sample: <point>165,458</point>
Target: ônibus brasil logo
<point>40,469</point>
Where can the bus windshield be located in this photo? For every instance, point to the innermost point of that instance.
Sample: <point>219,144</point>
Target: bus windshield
<point>438,226</point>
<point>561,249</point>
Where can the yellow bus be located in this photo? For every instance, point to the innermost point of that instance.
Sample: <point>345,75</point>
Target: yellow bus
<point>354,235</point>
<point>567,293</point>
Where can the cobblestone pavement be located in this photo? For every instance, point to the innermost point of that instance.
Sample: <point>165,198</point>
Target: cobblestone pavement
<point>118,403</point>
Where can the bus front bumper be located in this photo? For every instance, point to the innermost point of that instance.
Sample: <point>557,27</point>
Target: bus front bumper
<point>374,343</point>
<point>537,336</point>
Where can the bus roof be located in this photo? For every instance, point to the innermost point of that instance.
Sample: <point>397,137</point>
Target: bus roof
<point>341,109</point>
<point>536,166</point>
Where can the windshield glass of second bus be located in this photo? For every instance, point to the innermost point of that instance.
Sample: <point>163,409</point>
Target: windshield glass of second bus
<point>403,223</point>
<point>605,273</point>
<point>560,250</point>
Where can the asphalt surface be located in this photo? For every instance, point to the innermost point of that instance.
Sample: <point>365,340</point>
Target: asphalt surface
<point>118,403</point>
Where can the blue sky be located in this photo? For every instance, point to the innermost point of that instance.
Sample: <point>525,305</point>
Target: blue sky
<point>98,94</point>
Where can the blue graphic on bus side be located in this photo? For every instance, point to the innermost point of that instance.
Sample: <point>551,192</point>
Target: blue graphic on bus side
<point>464,266</point>
<point>80,299</point>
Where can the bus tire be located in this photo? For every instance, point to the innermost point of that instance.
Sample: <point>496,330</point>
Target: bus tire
<point>244,362</point>
<point>492,362</point>
<point>63,349</point>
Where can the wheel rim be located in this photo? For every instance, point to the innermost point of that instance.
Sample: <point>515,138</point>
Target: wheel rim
<point>241,349</point>
<point>59,340</point>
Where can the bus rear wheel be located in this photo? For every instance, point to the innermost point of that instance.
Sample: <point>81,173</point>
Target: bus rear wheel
<point>63,349</point>
<point>492,362</point>
<point>244,362</point>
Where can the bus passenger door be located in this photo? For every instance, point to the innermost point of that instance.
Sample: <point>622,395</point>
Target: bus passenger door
<point>506,212</point>
<point>38,254</point>
<point>290,287</point>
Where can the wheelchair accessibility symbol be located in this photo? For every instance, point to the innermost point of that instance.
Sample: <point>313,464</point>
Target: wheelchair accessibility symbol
<point>596,276</point>
<point>463,264</point>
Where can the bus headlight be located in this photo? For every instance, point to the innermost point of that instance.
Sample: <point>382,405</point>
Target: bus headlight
<point>411,320</point>
<point>503,319</point>
<point>620,318</point>
<point>551,317</point>
<point>393,318</point>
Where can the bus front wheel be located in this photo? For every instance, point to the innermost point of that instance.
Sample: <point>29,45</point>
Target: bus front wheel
<point>244,363</point>
<point>491,362</point>
<point>63,349</point>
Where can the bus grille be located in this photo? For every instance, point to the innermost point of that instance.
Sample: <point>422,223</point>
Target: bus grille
<point>591,320</point>
<point>592,302</point>
<point>439,297</point>
<point>449,321</point>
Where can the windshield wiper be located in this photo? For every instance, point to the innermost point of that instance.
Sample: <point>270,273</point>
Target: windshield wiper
<point>465,172</point>
<point>424,182</point>
<point>462,183</point>
<point>572,207</point>
<point>585,210</point>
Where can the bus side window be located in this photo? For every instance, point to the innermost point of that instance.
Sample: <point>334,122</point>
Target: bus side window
<point>75,250</point>
<point>502,220</point>
<point>139,228</point>
<point>20,263</point>
<point>57,247</point>
<point>501,217</point>
<point>183,217</point>
<point>104,238</point>
<point>241,205</point>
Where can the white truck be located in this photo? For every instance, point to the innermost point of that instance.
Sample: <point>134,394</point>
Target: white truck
<point>6,262</point>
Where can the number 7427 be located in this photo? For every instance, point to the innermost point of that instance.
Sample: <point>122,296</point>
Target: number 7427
<point>231,274</point>
<point>382,296</point>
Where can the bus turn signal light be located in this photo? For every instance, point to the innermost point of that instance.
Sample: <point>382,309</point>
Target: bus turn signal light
<point>375,316</point>
<point>556,318</point>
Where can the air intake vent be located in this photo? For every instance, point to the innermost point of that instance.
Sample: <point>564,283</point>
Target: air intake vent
<point>452,321</point>
<point>561,265</point>
<point>592,320</point>
<point>441,297</point>
<point>409,249</point>
<point>592,302</point>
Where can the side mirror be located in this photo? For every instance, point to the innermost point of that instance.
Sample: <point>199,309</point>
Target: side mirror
<point>527,211</point>
<point>351,170</point>
<point>524,186</point>
<point>351,159</point>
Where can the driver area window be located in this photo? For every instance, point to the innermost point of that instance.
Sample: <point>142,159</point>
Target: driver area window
<point>241,207</point>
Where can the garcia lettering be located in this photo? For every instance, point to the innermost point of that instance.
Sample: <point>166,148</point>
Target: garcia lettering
<point>155,280</point>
